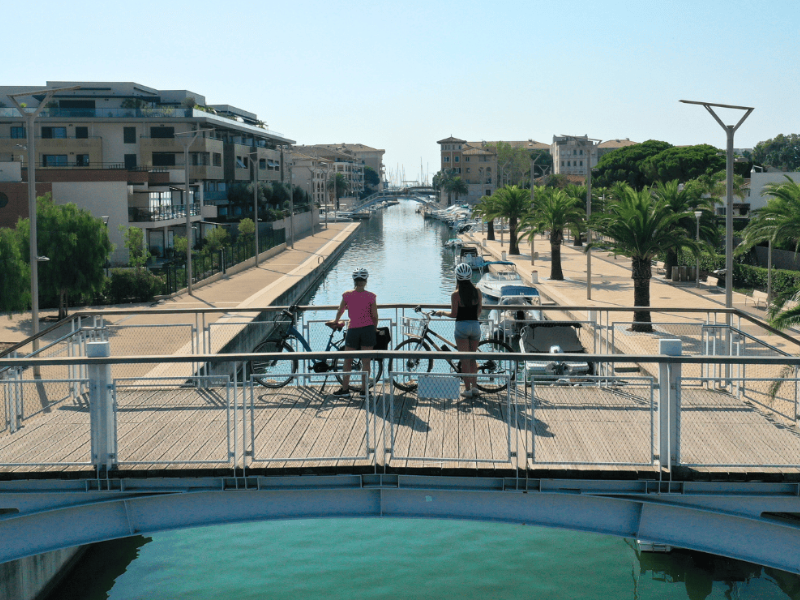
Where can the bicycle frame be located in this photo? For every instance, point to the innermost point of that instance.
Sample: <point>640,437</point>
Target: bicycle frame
<point>426,336</point>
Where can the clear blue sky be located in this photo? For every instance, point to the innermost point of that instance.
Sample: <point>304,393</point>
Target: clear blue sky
<point>401,75</point>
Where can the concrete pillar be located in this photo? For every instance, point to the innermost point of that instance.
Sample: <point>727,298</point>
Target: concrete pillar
<point>101,408</point>
<point>669,404</point>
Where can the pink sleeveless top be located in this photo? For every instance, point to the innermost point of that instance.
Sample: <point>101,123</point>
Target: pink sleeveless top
<point>358,307</point>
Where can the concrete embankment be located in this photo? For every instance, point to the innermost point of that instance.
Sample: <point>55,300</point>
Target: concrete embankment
<point>34,577</point>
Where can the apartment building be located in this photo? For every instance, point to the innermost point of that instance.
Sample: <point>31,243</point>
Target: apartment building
<point>370,157</point>
<point>574,155</point>
<point>474,162</point>
<point>339,160</point>
<point>136,132</point>
<point>311,174</point>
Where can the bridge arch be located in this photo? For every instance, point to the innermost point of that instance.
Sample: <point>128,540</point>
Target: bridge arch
<point>45,519</point>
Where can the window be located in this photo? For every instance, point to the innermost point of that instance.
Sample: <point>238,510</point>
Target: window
<point>466,159</point>
<point>54,160</point>
<point>199,159</point>
<point>488,192</point>
<point>240,164</point>
<point>162,132</point>
<point>163,159</point>
<point>262,164</point>
<point>574,152</point>
<point>217,159</point>
<point>81,133</point>
<point>569,164</point>
<point>446,159</point>
<point>458,169</point>
<point>467,169</point>
<point>459,146</point>
<point>54,132</point>
<point>82,160</point>
<point>488,180</point>
<point>562,163</point>
<point>130,161</point>
<point>457,159</point>
<point>3,200</point>
<point>18,133</point>
<point>488,169</point>
<point>129,135</point>
<point>581,163</point>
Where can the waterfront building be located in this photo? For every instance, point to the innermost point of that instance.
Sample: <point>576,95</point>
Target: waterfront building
<point>311,174</point>
<point>340,160</point>
<point>573,154</point>
<point>474,162</point>
<point>114,148</point>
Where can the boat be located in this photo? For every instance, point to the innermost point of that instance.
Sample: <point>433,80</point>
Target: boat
<point>551,338</point>
<point>470,254</point>
<point>507,324</point>
<point>498,274</point>
<point>454,243</point>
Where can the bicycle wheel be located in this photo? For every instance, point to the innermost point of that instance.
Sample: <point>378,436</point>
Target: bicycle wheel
<point>492,372</point>
<point>407,379</point>
<point>375,367</point>
<point>272,373</point>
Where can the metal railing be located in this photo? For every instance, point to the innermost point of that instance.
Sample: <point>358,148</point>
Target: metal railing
<point>162,213</point>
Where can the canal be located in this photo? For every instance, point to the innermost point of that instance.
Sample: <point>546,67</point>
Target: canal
<point>359,559</point>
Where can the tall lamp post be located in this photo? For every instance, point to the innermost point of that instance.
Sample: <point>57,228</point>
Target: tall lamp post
<point>697,215</point>
<point>187,141</point>
<point>30,118</point>
<point>729,131</point>
<point>255,198</point>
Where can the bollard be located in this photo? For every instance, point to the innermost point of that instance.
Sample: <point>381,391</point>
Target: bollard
<point>669,404</point>
<point>101,410</point>
<point>503,255</point>
<point>534,276</point>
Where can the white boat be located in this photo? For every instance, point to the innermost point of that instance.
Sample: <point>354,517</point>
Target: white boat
<point>497,275</point>
<point>454,243</point>
<point>507,324</point>
<point>549,339</point>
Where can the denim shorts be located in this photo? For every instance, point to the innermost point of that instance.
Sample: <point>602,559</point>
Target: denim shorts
<point>359,337</point>
<point>468,330</point>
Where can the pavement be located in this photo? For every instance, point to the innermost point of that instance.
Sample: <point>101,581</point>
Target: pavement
<point>252,287</point>
<point>612,286</point>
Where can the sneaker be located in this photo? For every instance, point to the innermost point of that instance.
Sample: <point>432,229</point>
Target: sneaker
<point>467,394</point>
<point>342,392</point>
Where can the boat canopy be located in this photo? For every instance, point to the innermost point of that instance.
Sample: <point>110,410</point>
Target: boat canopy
<point>540,339</point>
<point>518,290</point>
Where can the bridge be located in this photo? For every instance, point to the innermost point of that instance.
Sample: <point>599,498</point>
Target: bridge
<point>685,435</point>
<point>392,193</point>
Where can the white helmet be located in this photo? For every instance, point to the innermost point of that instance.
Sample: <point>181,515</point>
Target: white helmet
<point>463,272</point>
<point>360,273</point>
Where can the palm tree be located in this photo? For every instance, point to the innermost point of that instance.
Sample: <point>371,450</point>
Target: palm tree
<point>456,186</point>
<point>485,210</point>
<point>685,201</point>
<point>578,225</point>
<point>512,203</point>
<point>339,184</point>
<point>553,210</point>
<point>640,226</point>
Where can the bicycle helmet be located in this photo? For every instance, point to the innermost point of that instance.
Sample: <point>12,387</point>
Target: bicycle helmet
<point>360,273</point>
<point>463,272</point>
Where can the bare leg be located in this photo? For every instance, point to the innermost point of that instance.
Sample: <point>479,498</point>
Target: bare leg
<point>348,366</point>
<point>463,345</point>
<point>365,366</point>
<point>473,365</point>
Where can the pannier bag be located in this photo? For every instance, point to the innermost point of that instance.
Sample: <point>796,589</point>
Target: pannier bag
<point>383,338</point>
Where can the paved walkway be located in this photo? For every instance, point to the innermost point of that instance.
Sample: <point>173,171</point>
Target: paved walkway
<point>253,287</point>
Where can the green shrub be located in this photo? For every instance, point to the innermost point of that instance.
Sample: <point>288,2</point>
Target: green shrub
<point>134,285</point>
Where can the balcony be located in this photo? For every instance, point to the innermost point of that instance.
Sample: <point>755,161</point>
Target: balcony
<point>162,213</point>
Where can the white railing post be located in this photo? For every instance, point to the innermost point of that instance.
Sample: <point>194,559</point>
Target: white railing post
<point>101,409</point>
<point>669,404</point>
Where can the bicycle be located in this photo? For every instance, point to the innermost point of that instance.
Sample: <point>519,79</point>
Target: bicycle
<point>422,338</point>
<point>272,373</point>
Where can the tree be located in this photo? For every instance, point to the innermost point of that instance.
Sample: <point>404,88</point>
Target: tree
<point>682,163</point>
<point>247,231</point>
<point>685,201</point>
<point>77,246</point>
<point>338,184</point>
<point>15,273</point>
<point>542,162</point>
<point>640,226</point>
<point>371,177</point>
<point>457,187</point>
<point>485,210</point>
<point>578,224</point>
<point>781,152</point>
<point>624,164</point>
<point>216,239</point>
<point>514,162</point>
<point>180,243</point>
<point>553,210</point>
<point>512,203</point>
<point>133,240</point>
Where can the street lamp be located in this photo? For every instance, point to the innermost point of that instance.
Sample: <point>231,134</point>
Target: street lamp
<point>29,118</point>
<point>255,197</point>
<point>324,196</point>
<point>729,131</point>
<point>697,215</point>
<point>186,141</point>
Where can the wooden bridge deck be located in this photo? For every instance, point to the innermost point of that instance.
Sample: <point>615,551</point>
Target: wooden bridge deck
<point>576,429</point>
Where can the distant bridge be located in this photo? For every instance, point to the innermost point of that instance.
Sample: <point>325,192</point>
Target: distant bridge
<point>692,451</point>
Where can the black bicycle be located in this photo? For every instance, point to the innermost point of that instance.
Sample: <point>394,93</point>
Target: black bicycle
<point>276,373</point>
<point>493,374</point>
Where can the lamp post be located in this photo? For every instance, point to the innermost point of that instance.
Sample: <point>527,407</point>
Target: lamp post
<point>697,215</point>
<point>255,198</point>
<point>326,191</point>
<point>291,196</point>
<point>29,118</point>
<point>187,141</point>
<point>769,273</point>
<point>729,131</point>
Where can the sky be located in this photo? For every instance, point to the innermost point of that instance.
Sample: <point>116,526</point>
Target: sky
<point>401,75</point>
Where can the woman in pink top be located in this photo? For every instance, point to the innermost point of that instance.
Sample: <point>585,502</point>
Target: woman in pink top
<point>362,308</point>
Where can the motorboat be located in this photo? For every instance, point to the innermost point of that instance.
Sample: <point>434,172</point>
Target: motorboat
<point>498,274</point>
<point>454,243</point>
<point>507,323</point>
<point>549,339</point>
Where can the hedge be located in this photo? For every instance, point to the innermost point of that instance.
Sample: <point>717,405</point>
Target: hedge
<point>746,276</point>
<point>134,285</point>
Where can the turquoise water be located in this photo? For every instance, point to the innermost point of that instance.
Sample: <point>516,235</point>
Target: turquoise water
<point>390,558</point>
